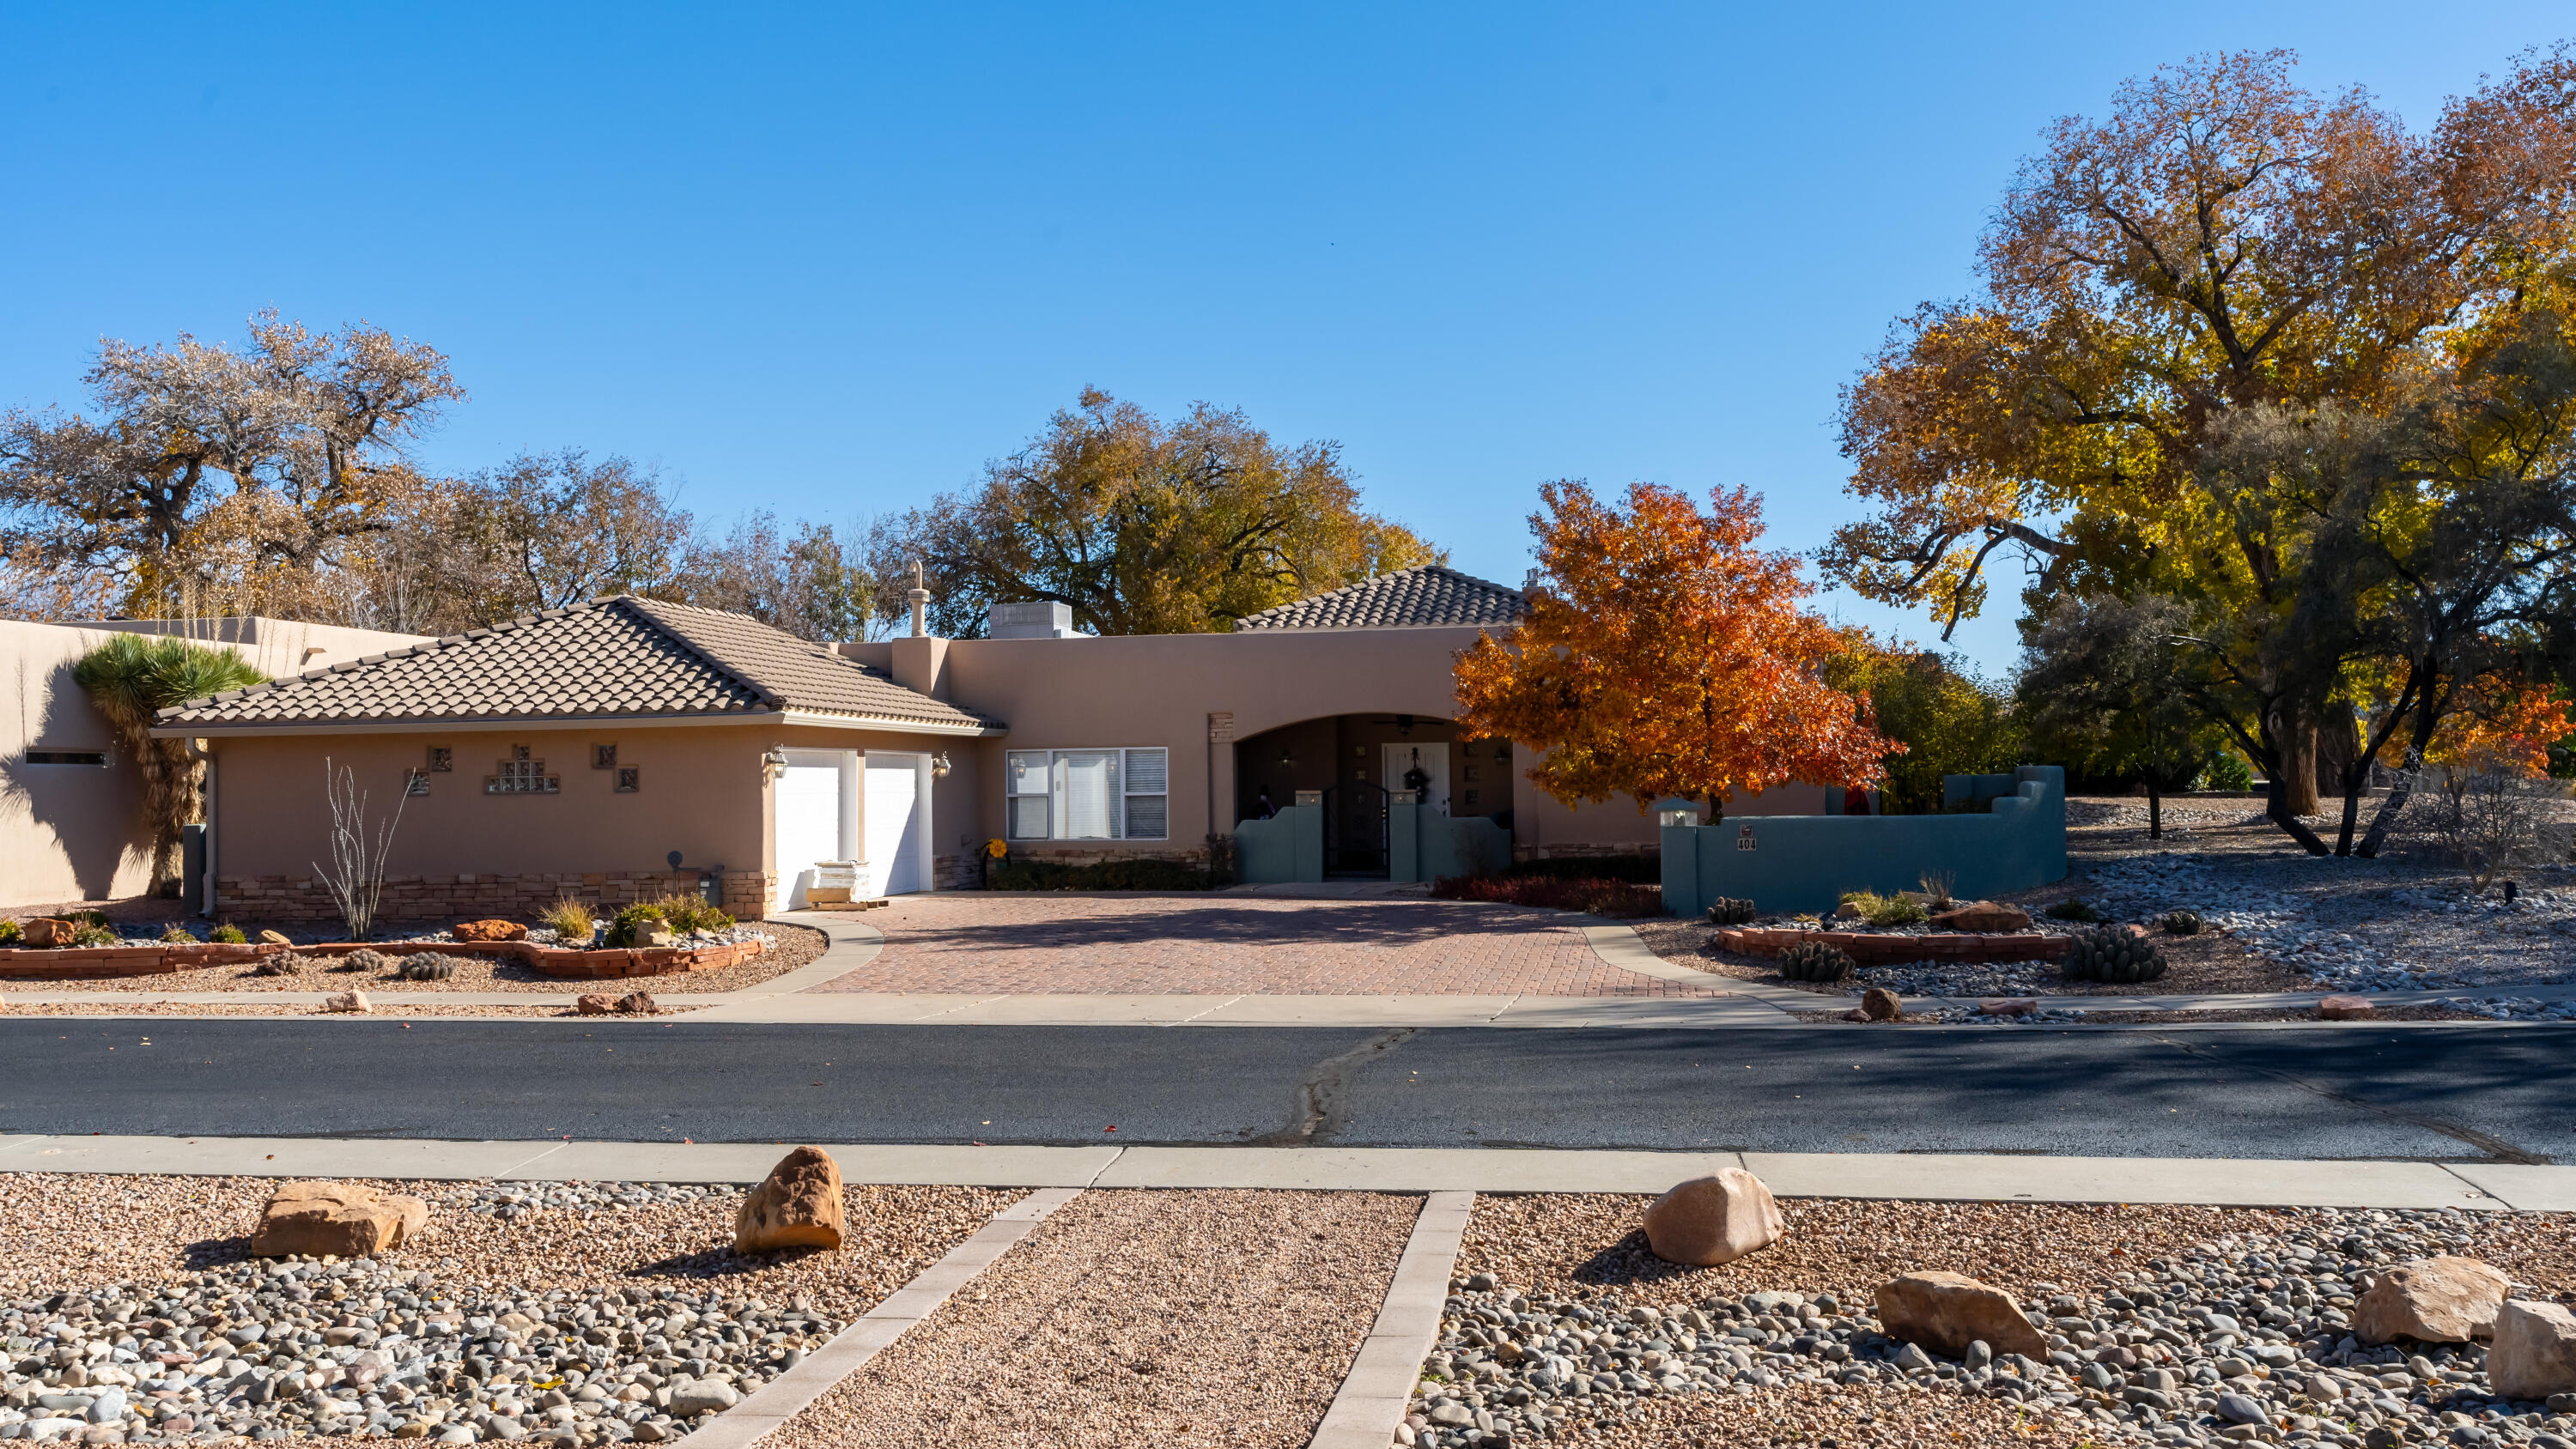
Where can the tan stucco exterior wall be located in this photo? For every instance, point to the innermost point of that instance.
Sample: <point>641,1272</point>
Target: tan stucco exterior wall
<point>1161,690</point>
<point>75,833</point>
<point>703,792</point>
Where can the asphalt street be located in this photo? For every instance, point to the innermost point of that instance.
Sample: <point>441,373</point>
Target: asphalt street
<point>2445,1094</point>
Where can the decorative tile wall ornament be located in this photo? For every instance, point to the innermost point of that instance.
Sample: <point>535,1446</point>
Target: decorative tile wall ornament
<point>630,779</point>
<point>603,757</point>
<point>415,782</point>
<point>521,775</point>
<point>441,758</point>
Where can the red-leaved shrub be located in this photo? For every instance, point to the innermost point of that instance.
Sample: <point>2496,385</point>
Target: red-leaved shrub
<point>1598,897</point>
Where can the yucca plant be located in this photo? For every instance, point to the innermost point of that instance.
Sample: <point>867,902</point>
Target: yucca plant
<point>132,678</point>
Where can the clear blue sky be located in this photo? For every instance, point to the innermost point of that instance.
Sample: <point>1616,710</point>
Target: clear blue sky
<point>829,260</point>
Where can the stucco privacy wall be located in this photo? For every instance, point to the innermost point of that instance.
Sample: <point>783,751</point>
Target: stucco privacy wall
<point>75,832</point>
<point>1161,689</point>
<point>703,792</point>
<point>1806,862</point>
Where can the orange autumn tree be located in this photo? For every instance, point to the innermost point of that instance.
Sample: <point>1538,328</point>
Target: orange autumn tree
<point>1667,655</point>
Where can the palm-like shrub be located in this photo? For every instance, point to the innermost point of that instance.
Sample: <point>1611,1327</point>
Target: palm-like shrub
<point>131,678</point>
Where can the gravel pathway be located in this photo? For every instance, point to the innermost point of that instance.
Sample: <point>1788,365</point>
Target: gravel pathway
<point>1137,1318</point>
<point>584,1314</point>
<point>789,948</point>
<point>2165,1324</point>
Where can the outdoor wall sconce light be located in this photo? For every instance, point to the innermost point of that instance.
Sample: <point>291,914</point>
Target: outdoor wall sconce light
<point>774,763</point>
<point>1673,810</point>
<point>939,766</point>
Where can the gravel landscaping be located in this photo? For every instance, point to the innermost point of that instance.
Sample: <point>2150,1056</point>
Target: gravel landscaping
<point>579,1314</point>
<point>789,948</point>
<point>1137,1318</point>
<point>2164,1324</point>
<point>387,1004</point>
<point>2080,1016</point>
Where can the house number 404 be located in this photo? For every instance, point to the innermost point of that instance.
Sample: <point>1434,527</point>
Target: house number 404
<point>1744,838</point>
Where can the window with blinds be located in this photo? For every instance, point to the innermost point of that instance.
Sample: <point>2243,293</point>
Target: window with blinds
<point>1104,794</point>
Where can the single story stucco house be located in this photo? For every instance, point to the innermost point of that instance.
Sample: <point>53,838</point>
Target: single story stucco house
<point>628,746</point>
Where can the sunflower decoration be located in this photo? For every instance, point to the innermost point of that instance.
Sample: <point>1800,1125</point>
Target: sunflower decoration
<point>997,848</point>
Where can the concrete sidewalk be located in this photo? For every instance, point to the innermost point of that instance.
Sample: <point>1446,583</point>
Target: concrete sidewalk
<point>2216,1182</point>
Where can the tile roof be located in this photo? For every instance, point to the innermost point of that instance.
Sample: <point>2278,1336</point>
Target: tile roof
<point>1416,598</point>
<point>620,657</point>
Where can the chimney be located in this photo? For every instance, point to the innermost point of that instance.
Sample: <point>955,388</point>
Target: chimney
<point>1529,581</point>
<point>920,598</point>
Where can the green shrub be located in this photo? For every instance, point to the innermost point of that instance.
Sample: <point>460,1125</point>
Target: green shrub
<point>1149,874</point>
<point>571,920</point>
<point>1896,910</point>
<point>2073,909</point>
<point>634,923</point>
<point>178,935</point>
<point>1814,961</point>
<point>88,933</point>
<point>90,918</point>
<point>228,934</point>
<point>11,933</point>
<point>682,912</point>
<point>1594,896</point>
<point>2228,771</point>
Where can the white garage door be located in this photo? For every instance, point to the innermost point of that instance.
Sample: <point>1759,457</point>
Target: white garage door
<point>809,825</point>
<point>897,823</point>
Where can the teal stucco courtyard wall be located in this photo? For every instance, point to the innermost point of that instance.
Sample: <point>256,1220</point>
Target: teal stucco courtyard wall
<point>1806,862</point>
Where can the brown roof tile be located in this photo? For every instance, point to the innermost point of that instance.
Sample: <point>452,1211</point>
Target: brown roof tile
<point>621,657</point>
<point>1415,598</point>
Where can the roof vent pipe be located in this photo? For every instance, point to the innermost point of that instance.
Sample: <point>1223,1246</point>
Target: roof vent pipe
<point>920,598</point>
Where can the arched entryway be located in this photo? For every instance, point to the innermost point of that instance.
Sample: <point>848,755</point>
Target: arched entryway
<point>1350,763</point>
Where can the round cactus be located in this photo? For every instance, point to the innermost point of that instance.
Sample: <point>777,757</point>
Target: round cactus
<point>2110,954</point>
<point>428,966</point>
<point>1814,961</point>
<point>1730,912</point>
<point>2183,923</point>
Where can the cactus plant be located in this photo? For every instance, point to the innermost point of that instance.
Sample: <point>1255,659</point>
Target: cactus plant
<point>1814,961</point>
<point>1730,912</point>
<point>363,959</point>
<point>428,966</point>
<point>284,963</point>
<point>2184,923</point>
<point>2073,909</point>
<point>2108,954</point>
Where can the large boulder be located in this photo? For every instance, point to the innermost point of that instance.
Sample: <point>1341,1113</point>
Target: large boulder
<point>347,1001</point>
<point>797,1206</point>
<point>1716,1219</point>
<point>1983,917</point>
<point>1945,1312</point>
<point>317,1218</point>
<point>1881,1004</point>
<point>595,1003</point>
<point>490,931</point>
<point>637,1003</point>
<point>48,932</point>
<point>2347,1008</point>
<point>2436,1300</point>
<point>2535,1351</point>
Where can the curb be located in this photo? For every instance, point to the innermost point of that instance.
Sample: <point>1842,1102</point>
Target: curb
<point>1372,1399</point>
<point>792,1392</point>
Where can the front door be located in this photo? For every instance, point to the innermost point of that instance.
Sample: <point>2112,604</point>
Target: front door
<point>898,825</point>
<point>1432,760</point>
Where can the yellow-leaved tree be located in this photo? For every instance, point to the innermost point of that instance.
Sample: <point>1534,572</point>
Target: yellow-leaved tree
<point>1667,655</point>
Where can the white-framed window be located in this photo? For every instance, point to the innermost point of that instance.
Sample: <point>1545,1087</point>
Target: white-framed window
<point>1105,794</point>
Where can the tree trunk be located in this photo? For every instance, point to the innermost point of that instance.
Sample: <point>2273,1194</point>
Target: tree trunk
<point>2277,805</point>
<point>2155,807</point>
<point>2294,785</point>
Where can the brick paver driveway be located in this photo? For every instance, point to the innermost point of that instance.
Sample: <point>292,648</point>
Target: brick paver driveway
<point>1008,944</point>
